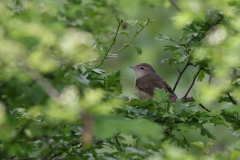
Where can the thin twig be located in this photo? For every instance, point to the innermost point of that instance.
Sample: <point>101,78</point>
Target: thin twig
<point>59,153</point>
<point>52,150</point>
<point>204,107</point>
<point>187,99</point>
<point>192,83</point>
<point>44,158</point>
<point>230,97</point>
<point>210,79</point>
<point>129,41</point>
<point>191,99</point>
<point>174,4</point>
<point>44,83</point>
<point>210,26</point>
<point>180,75</point>
<point>118,143</point>
<point>113,42</point>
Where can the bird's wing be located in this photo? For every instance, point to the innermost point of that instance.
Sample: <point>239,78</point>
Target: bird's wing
<point>150,81</point>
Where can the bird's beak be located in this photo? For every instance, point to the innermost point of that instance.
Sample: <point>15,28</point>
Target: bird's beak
<point>133,67</point>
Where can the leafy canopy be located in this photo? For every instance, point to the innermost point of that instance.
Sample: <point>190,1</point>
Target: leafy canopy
<point>56,101</point>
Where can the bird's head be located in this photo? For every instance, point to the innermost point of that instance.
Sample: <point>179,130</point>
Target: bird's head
<point>143,69</point>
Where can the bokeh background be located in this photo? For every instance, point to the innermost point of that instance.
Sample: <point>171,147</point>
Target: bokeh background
<point>153,50</point>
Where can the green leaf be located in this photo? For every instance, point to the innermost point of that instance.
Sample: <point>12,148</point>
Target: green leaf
<point>138,49</point>
<point>101,48</point>
<point>115,124</point>
<point>160,95</point>
<point>195,95</point>
<point>98,70</point>
<point>184,127</point>
<point>138,141</point>
<point>209,144</point>
<point>113,83</point>
<point>222,99</point>
<point>199,144</point>
<point>201,75</point>
<point>189,33</point>
<point>178,106</point>
<point>217,121</point>
<point>126,33</point>
<point>130,152</point>
<point>171,48</point>
<point>143,23</point>
<point>132,22</point>
<point>180,57</point>
<point>161,37</point>
<point>204,132</point>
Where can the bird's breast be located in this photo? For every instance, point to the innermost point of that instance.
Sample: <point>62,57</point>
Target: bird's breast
<point>143,95</point>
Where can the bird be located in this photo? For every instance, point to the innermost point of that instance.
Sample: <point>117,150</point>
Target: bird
<point>147,79</point>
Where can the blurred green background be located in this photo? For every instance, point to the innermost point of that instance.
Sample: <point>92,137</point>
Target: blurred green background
<point>153,50</point>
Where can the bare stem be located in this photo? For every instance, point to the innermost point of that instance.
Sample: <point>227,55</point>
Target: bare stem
<point>204,107</point>
<point>192,83</point>
<point>191,99</point>
<point>187,99</point>
<point>174,4</point>
<point>212,25</point>
<point>52,150</point>
<point>180,74</point>
<point>113,42</point>
<point>231,98</point>
<point>129,41</point>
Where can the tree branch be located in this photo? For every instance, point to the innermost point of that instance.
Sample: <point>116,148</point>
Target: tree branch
<point>200,104</point>
<point>118,143</point>
<point>174,4</point>
<point>52,150</point>
<point>191,99</point>
<point>230,97</point>
<point>210,26</point>
<point>180,74</point>
<point>187,99</point>
<point>113,42</point>
<point>130,40</point>
<point>192,83</point>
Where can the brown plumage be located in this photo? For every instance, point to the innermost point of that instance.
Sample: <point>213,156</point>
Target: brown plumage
<point>147,79</point>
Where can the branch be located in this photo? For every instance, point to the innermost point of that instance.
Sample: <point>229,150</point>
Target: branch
<point>44,83</point>
<point>212,25</point>
<point>187,99</point>
<point>52,150</point>
<point>192,83</point>
<point>200,104</point>
<point>230,97</point>
<point>59,153</point>
<point>191,99</point>
<point>180,74</point>
<point>97,142</point>
<point>33,158</point>
<point>114,40</point>
<point>87,135</point>
<point>131,39</point>
<point>174,4</point>
<point>118,143</point>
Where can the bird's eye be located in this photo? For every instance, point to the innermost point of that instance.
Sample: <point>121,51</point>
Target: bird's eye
<point>142,68</point>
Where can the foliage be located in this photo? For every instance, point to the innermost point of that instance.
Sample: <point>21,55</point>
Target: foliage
<point>56,101</point>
